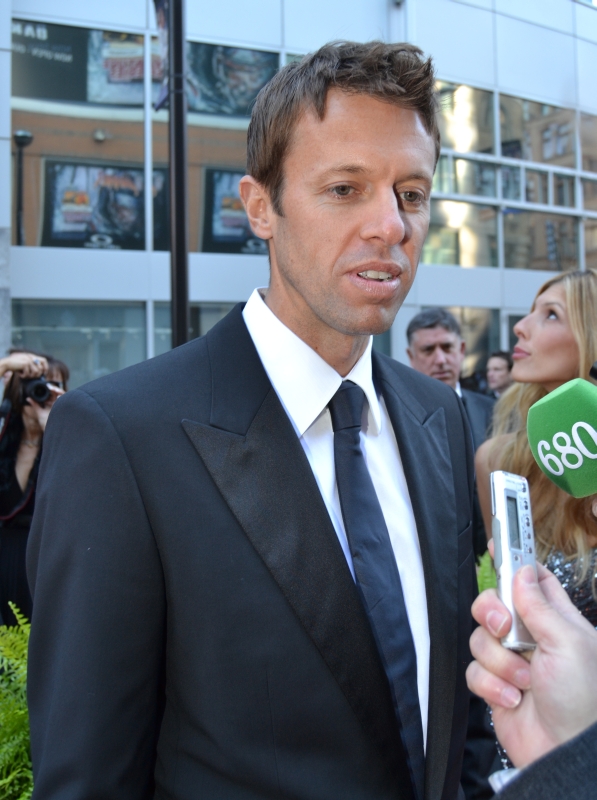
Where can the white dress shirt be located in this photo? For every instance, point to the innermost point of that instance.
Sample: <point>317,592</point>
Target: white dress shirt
<point>305,384</point>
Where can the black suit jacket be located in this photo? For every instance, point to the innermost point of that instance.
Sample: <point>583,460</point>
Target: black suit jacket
<point>196,630</point>
<point>479,410</point>
<point>567,773</point>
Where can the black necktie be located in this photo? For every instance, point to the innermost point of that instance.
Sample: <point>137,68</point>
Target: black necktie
<point>377,576</point>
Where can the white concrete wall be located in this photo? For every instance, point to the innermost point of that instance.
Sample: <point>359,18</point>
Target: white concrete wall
<point>546,51</point>
<point>5,176</point>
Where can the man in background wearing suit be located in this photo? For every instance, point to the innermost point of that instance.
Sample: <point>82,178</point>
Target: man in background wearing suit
<point>251,558</point>
<point>436,348</point>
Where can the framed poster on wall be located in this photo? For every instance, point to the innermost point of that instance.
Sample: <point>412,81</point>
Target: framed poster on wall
<point>81,65</point>
<point>225,225</point>
<point>226,80</point>
<point>99,206</point>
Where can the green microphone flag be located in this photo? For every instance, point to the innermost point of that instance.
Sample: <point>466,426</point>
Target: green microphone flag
<point>562,433</point>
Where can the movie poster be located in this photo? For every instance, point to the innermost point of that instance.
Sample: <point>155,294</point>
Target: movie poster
<point>225,225</point>
<point>226,80</point>
<point>115,68</point>
<point>159,47</point>
<point>69,64</point>
<point>99,206</point>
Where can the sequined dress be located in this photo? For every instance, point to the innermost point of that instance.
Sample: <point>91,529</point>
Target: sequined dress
<point>581,594</point>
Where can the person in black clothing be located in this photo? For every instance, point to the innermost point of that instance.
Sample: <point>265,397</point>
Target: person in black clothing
<point>436,348</point>
<point>22,424</point>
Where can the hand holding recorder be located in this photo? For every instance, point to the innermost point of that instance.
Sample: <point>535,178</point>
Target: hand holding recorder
<point>537,706</point>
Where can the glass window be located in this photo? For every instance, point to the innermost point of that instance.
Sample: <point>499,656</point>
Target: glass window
<point>481,332</point>
<point>534,240</point>
<point>465,118</point>
<point>537,186</point>
<point>591,243</point>
<point>93,339</point>
<point>441,176</point>
<point>80,93</point>
<point>537,132</point>
<point>463,234</point>
<point>226,80</point>
<point>383,342</point>
<point>512,337</point>
<point>563,194</point>
<point>203,316</point>
<point>474,177</point>
<point>589,193</point>
<point>588,142</point>
<point>511,183</point>
<point>226,226</point>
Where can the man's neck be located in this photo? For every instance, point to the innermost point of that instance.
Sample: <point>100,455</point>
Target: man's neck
<point>341,351</point>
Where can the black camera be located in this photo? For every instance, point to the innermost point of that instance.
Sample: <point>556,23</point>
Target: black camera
<point>37,389</point>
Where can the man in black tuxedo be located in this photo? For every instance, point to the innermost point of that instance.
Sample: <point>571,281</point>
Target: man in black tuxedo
<point>251,559</point>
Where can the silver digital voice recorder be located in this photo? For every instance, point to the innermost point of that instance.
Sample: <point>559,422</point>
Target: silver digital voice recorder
<point>512,530</point>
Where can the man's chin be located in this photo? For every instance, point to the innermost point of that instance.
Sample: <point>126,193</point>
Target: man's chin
<point>447,379</point>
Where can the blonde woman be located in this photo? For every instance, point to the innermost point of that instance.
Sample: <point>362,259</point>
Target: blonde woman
<point>557,341</point>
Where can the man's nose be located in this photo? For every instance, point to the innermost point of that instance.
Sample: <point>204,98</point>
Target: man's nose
<point>439,356</point>
<point>385,220</point>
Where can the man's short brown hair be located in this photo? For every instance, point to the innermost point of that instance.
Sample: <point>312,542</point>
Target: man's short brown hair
<point>393,73</point>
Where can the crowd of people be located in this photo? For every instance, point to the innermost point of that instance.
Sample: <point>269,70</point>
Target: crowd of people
<point>560,333</point>
<point>252,560</point>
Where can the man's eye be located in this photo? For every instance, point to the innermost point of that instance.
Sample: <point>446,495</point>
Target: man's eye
<point>413,198</point>
<point>342,191</point>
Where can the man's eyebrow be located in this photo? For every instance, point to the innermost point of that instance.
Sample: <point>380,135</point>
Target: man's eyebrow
<point>358,169</point>
<point>352,169</point>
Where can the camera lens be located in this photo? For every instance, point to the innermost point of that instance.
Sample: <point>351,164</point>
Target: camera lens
<point>40,392</point>
<point>37,389</point>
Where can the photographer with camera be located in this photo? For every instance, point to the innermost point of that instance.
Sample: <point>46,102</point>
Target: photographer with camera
<point>33,385</point>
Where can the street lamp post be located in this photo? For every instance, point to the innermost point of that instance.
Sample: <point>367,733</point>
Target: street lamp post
<point>178,174</point>
<point>22,139</point>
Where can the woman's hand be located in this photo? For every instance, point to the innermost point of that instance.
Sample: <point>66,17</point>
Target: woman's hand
<point>27,365</point>
<point>39,413</point>
<point>540,705</point>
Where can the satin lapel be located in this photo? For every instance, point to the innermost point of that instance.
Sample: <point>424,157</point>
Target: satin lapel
<point>423,445</point>
<point>255,458</point>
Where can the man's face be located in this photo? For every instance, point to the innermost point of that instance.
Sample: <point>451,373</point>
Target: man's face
<point>438,353</point>
<point>498,374</point>
<point>356,212</point>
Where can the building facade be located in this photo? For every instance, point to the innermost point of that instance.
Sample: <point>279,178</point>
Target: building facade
<point>86,271</point>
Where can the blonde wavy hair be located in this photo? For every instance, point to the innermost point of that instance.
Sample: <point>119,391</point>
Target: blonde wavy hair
<point>561,522</point>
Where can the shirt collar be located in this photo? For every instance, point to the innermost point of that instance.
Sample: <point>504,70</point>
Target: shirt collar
<point>303,381</point>
<point>458,389</point>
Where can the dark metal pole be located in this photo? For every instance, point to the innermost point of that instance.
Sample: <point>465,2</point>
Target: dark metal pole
<point>21,139</point>
<point>177,137</point>
<point>20,232</point>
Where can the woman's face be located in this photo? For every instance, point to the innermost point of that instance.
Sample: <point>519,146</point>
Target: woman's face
<point>546,352</point>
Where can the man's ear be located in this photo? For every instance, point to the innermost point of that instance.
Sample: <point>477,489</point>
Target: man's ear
<point>257,205</point>
<point>409,354</point>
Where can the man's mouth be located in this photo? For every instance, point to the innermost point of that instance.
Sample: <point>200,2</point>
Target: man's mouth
<point>375,275</point>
